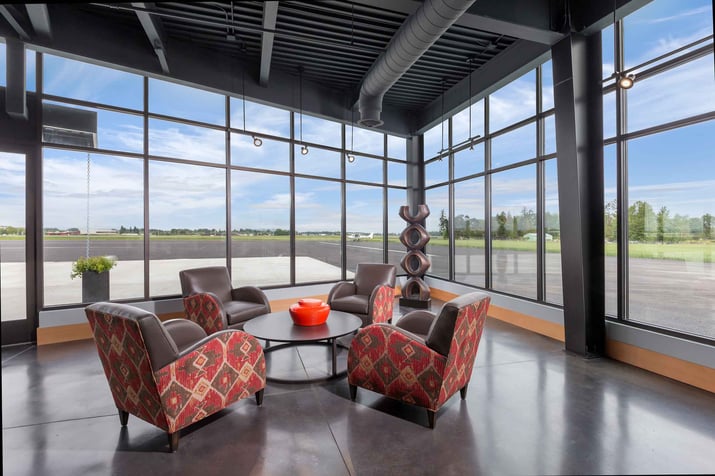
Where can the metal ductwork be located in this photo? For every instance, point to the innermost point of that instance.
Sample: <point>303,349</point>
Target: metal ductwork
<point>412,40</point>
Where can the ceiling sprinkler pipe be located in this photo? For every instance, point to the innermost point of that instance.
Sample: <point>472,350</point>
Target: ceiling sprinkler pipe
<point>416,35</point>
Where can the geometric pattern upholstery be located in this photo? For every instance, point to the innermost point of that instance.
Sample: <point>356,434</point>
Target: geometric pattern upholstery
<point>391,361</point>
<point>382,301</point>
<point>203,379</point>
<point>206,310</point>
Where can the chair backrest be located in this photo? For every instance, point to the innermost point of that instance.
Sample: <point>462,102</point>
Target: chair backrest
<point>442,336</point>
<point>370,275</point>
<point>212,279</point>
<point>132,344</point>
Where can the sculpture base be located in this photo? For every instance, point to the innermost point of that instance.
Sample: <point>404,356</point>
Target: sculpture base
<point>417,303</point>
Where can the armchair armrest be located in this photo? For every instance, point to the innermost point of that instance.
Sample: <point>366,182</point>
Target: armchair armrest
<point>184,332</point>
<point>206,310</point>
<point>418,322</point>
<point>208,376</point>
<point>416,370</point>
<point>341,289</point>
<point>381,303</point>
<point>250,294</point>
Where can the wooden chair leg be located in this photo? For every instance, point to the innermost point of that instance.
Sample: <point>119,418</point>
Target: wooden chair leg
<point>259,397</point>
<point>123,417</point>
<point>173,441</point>
<point>463,391</point>
<point>353,392</point>
<point>431,418</point>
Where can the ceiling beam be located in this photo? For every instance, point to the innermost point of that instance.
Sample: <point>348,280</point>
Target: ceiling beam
<point>40,19</point>
<point>270,14</point>
<point>11,14</point>
<point>154,32</point>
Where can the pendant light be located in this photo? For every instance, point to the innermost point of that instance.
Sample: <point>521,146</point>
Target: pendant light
<point>624,80</point>
<point>257,141</point>
<point>471,140</point>
<point>441,151</point>
<point>350,155</point>
<point>304,148</point>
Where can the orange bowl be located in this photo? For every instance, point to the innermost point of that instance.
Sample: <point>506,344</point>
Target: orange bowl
<point>310,302</point>
<point>309,316</point>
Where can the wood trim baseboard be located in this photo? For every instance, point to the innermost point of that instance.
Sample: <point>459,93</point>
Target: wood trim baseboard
<point>681,370</point>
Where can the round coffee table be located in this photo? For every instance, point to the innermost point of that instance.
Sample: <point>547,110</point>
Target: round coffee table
<point>279,327</point>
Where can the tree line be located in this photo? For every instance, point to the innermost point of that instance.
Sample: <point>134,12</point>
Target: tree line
<point>505,226</point>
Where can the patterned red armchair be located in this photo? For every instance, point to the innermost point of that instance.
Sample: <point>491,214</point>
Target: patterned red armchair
<point>212,302</point>
<point>370,296</point>
<point>423,360</point>
<point>171,374</point>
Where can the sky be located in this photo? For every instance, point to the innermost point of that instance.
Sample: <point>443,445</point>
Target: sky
<point>673,169</point>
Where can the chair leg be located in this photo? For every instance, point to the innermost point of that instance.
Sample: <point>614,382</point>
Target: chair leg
<point>353,392</point>
<point>463,391</point>
<point>431,418</point>
<point>173,441</point>
<point>123,417</point>
<point>259,397</point>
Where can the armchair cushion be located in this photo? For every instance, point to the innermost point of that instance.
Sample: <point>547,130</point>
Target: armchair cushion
<point>417,322</point>
<point>356,304</point>
<point>184,332</point>
<point>369,275</point>
<point>238,312</point>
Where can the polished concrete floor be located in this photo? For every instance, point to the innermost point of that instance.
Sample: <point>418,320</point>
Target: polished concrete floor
<point>531,409</point>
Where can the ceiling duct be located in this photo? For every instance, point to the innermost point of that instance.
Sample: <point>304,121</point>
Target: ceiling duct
<point>419,31</point>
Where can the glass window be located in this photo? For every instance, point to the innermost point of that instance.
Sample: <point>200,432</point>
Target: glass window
<point>364,169</point>
<point>171,99</point>
<point>260,235</point>
<point>181,141</point>
<point>13,287</point>
<point>469,162</point>
<point>514,231</point>
<point>550,134</point>
<point>547,86</point>
<point>437,225</point>
<point>395,225</point>
<point>512,103</point>
<point>3,64</point>
<point>114,130</point>
<point>671,202</point>
<point>363,215</point>
<point>272,155</point>
<point>435,140</point>
<point>552,235</point>
<point>320,162</point>
<point>318,131</point>
<point>30,70</point>
<point>77,80</point>
<point>116,221</point>
<point>665,97</point>
<point>610,229</point>
<point>460,123</point>
<point>469,231</point>
<point>366,141</point>
<point>664,25</point>
<point>260,118</point>
<point>397,174</point>
<point>317,230</point>
<point>609,115</point>
<point>437,171</point>
<point>187,220</point>
<point>396,147</point>
<point>514,146</point>
<point>607,51</point>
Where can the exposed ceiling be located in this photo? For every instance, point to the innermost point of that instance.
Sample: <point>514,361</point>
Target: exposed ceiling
<point>336,42</point>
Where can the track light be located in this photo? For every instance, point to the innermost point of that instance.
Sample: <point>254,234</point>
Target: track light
<point>625,81</point>
<point>350,157</point>
<point>304,150</point>
<point>257,141</point>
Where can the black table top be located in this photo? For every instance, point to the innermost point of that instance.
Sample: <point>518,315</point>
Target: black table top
<point>279,327</point>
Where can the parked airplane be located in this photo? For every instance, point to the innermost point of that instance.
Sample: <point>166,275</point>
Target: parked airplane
<point>358,236</point>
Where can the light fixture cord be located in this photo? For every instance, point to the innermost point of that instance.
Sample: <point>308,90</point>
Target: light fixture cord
<point>352,129</point>
<point>300,74</point>
<point>243,97</point>
<point>442,120</point>
<point>470,99</point>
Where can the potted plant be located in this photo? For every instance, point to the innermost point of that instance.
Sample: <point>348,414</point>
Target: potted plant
<point>95,276</point>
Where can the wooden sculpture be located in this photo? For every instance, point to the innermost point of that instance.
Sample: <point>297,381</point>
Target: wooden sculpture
<point>415,292</point>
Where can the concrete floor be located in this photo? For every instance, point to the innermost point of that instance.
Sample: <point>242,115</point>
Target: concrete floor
<point>531,409</point>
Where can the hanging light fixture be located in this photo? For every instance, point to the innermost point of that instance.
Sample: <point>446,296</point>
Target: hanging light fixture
<point>471,140</point>
<point>350,156</point>
<point>257,141</point>
<point>304,148</point>
<point>441,151</point>
<point>624,79</point>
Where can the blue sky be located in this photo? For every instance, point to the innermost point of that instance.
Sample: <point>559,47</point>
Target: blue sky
<point>673,169</point>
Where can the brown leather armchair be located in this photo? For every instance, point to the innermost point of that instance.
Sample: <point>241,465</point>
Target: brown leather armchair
<point>171,374</point>
<point>370,296</point>
<point>423,359</point>
<point>212,302</point>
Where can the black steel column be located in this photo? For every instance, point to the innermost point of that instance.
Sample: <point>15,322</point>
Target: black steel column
<point>415,172</point>
<point>579,139</point>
